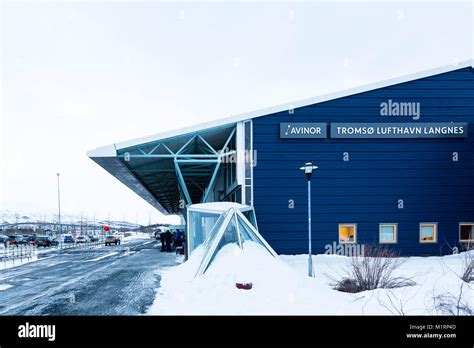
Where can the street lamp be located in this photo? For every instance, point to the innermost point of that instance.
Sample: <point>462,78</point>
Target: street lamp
<point>59,208</point>
<point>308,170</point>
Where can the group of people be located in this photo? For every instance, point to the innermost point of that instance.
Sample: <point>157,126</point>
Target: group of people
<point>172,241</point>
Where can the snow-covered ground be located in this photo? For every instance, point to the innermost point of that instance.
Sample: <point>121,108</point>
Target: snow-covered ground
<point>5,286</point>
<point>136,236</point>
<point>281,286</point>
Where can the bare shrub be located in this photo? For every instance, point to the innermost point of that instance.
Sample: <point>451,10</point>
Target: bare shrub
<point>466,253</point>
<point>372,271</point>
<point>452,304</point>
<point>467,273</point>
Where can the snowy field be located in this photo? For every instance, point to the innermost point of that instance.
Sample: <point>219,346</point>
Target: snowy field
<point>281,286</point>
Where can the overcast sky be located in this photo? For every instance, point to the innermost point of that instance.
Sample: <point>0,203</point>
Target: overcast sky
<point>76,76</point>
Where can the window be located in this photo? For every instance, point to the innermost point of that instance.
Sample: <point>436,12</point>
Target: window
<point>347,233</point>
<point>250,215</point>
<point>200,224</point>
<point>466,232</point>
<point>387,233</point>
<point>229,174</point>
<point>428,231</point>
<point>248,164</point>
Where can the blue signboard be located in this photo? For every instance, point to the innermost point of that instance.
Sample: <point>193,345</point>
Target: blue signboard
<point>399,130</point>
<point>303,130</point>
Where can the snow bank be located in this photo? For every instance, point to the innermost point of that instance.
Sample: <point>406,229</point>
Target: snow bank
<point>5,286</point>
<point>136,236</point>
<point>281,286</point>
<point>277,288</point>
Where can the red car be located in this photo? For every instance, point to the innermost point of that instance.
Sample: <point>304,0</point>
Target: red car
<point>14,240</point>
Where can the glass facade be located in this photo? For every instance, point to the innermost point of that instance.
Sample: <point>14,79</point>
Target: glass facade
<point>199,226</point>
<point>235,225</point>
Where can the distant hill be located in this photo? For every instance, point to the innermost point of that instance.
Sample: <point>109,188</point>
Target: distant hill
<point>29,219</point>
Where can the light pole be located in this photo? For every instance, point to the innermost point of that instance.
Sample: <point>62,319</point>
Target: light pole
<point>59,208</point>
<point>308,170</point>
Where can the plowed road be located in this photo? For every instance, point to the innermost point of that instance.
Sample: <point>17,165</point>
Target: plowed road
<point>112,280</point>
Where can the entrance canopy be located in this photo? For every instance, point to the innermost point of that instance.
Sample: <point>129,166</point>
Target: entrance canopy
<point>211,226</point>
<point>174,172</point>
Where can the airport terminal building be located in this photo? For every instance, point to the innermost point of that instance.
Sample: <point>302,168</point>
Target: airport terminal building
<point>395,166</point>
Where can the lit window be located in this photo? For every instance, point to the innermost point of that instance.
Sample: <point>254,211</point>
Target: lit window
<point>347,233</point>
<point>428,232</point>
<point>466,232</point>
<point>388,233</point>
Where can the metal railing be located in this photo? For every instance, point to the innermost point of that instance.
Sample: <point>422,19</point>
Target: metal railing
<point>18,254</point>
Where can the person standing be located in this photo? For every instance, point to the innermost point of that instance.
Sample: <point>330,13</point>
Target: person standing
<point>162,240</point>
<point>168,238</point>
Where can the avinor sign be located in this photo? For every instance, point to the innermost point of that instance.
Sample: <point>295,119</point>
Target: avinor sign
<point>306,130</point>
<point>303,130</point>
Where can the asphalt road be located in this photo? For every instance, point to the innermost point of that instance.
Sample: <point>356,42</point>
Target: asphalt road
<point>112,280</point>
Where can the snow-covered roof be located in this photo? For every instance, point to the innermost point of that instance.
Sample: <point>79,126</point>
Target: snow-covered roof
<point>110,150</point>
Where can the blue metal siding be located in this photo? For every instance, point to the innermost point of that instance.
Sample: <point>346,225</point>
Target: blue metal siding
<point>366,189</point>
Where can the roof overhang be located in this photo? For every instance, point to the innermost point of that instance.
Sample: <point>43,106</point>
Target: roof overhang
<point>112,164</point>
<point>169,167</point>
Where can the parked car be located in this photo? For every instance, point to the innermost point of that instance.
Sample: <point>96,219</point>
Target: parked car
<point>81,239</point>
<point>30,239</point>
<point>21,239</point>
<point>3,238</point>
<point>45,241</point>
<point>69,239</point>
<point>10,240</point>
<point>14,240</point>
<point>109,240</point>
<point>94,239</point>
